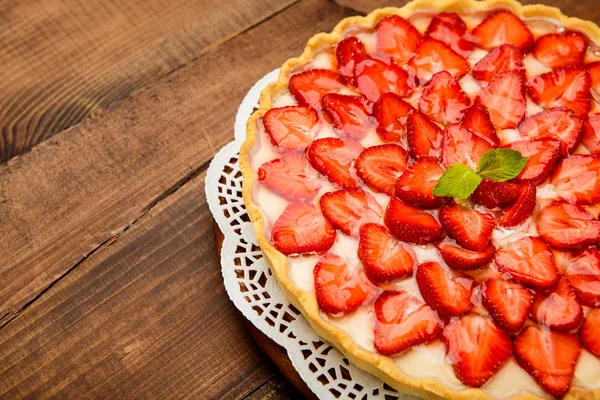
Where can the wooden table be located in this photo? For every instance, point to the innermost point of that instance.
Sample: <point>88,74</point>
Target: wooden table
<point>110,112</point>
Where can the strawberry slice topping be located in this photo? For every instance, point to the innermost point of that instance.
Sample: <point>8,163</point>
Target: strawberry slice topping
<point>384,258</point>
<point>348,113</point>
<point>567,226</point>
<point>583,273</point>
<point>403,321</point>
<point>500,28</point>
<point>424,136</point>
<point>291,176</point>
<point>449,28</point>
<point>549,357</point>
<point>529,261</point>
<point>577,179</point>
<point>333,157</point>
<point>507,302</point>
<point>310,86</point>
<point>476,348</point>
<point>591,134</point>
<point>556,123</point>
<point>562,87</point>
<point>594,70</point>
<point>443,100</point>
<point>433,56</point>
<point>542,154</point>
<point>290,128</point>
<point>556,50</point>
<point>506,58</point>
<point>557,309</point>
<point>375,77</point>
<point>448,292</point>
<point>504,99</point>
<point>463,259</point>
<point>589,332</point>
<point>391,113</point>
<point>411,224</point>
<point>397,38</point>
<point>348,209</point>
<point>349,52</point>
<point>415,185</point>
<point>470,228</point>
<point>492,194</point>
<point>462,146</point>
<point>301,229</point>
<point>380,166</point>
<point>477,120</point>
<point>521,209</point>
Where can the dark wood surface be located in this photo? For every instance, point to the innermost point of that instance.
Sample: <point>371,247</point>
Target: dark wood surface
<point>110,281</point>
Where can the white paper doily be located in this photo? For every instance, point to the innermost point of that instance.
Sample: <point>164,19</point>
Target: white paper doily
<point>256,293</point>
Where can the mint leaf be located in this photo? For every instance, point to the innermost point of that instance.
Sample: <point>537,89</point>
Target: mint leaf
<point>501,164</point>
<point>458,181</point>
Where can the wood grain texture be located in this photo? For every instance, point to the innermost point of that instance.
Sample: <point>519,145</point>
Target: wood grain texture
<point>62,61</point>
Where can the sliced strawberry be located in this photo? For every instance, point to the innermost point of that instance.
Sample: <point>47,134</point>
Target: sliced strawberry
<point>291,176</point>
<point>463,259</point>
<point>290,128</point>
<point>375,77</point>
<point>492,194</point>
<point>348,113</point>
<point>392,114</point>
<point>589,332</point>
<point>349,52</point>
<point>449,28</point>
<point>380,166</point>
<point>333,157</point>
<point>556,123</point>
<point>504,99</point>
<point>506,58</point>
<point>446,291</point>
<point>500,28</point>
<point>567,226</point>
<point>462,146</point>
<point>411,224</point>
<point>507,302</point>
<point>443,100</point>
<point>433,56</point>
<point>340,289</point>
<point>522,208</point>
<point>591,134</point>
<point>594,70</point>
<point>415,185</point>
<point>529,261</point>
<point>301,229</point>
<point>348,209</point>
<point>470,228</point>
<point>424,136</point>
<point>476,348</point>
<point>576,179</point>
<point>556,50</point>
<point>549,357</point>
<point>542,156</point>
<point>403,321</point>
<point>310,86</point>
<point>583,273</point>
<point>397,38</point>
<point>557,309</point>
<point>477,120</point>
<point>562,87</point>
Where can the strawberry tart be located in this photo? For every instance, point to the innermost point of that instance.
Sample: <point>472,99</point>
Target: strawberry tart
<point>424,183</point>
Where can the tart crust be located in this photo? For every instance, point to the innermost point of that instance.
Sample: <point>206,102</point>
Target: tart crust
<point>379,365</point>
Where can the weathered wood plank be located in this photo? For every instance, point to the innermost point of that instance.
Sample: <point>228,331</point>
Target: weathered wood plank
<point>62,61</point>
<point>277,389</point>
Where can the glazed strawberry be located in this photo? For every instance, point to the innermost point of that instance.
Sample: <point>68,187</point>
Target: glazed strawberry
<point>463,259</point>
<point>529,261</point>
<point>310,86</point>
<point>411,224</point>
<point>557,309</point>
<point>589,332</point>
<point>556,123</point>
<point>348,209</point>
<point>424,136</point>
<point>291,176</point>
<point>447,292</point>
<point>348,114</point>
<point>403,321</point>
<point>506,58</point>
<point>492,194</point>
<point>470,228</point>
<point>301,229</point>
<point>521,209</point>
<point>507,302</point>
<point>333,157</point>
<point>415,185</point>
<point>380,166</point>
<point>449,28</point>
<point>349,52</point>
<point>542,156</point>
<point>478,121</point>
<point>391,113</point>
<point>591,134</point>
<point>504,99</point>
<point>433,56</point>
<point>375,77</point>
<point>567,226</point>
<point>476,348</point>
<point>462,146</point>
<point>593,69</point>
<point>583,273</point>
<point>549,357</point>
<point>556,50</point>
<point>562,87</point>
<point>576,179</point>
<point>443,100</point>
<point>290,128</point>
<point>397,38</point>
<point>340,288</point>
<point>500,28</point>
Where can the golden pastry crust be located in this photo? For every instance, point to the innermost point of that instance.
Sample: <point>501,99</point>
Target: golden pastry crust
<point>306,302</point>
